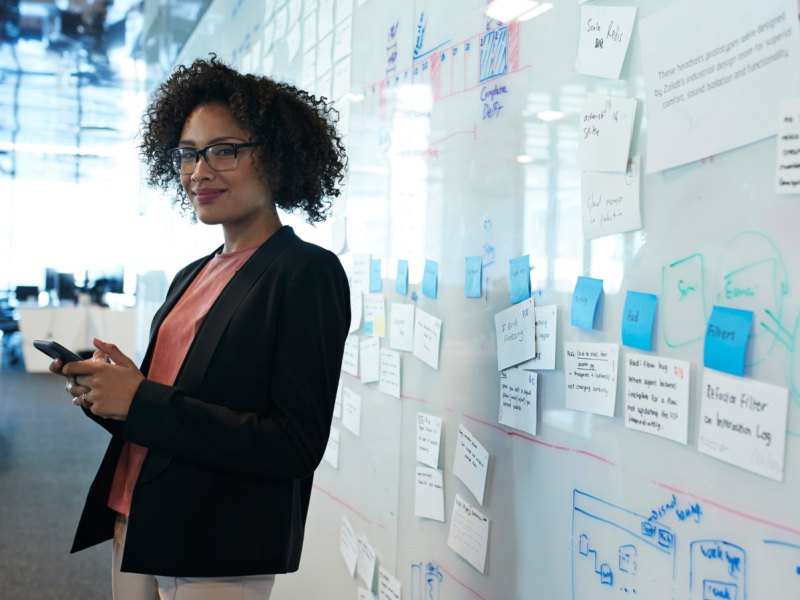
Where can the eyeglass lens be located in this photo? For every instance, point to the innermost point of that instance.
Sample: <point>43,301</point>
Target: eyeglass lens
<point>220,157</point>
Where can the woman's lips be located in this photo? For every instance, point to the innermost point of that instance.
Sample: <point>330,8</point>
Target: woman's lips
<point>206,196</point>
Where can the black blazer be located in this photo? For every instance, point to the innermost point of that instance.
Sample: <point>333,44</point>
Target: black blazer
<point>232,446</point>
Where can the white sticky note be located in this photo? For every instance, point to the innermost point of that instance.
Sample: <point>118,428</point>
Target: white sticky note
<point>518,405</point>
<point>604,36</point>
<point>388,586</point>
<point>365,594</point>
<point>546,326</point>
<point>610,202</point>
<point>350,357</point>
<point>390,373</point>
<point>657,395</point>
<point>369,359</point>
<point>342,75</point>
<point>331,455</point>
<point>605,131</point>
<point>471,463</point>
<point>359,279</point>
<point>429,494</point>
<point>348,545</point>
<point>515,329</point>
<point>427,333</point>
<point>743,422</point>
<point>337,405</point>
<point>401,327</point>
<point>351,411</point>
<point>356,310</point>
<point>294,40</point>
<point>343,40</point>
<point>590,377</point>
<point>718,85</point>
<point>787,179</point>
<point>366,561</point>
<point>429,435</point>
<point>469,533</point>
<point>374,315</point>
<point>325,17</point>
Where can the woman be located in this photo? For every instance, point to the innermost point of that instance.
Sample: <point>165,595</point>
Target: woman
<point>206,482</point>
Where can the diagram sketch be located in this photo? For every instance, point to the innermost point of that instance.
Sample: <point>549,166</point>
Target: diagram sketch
<point>618,553</point>
<point>426,581</point>
<point>718,570</point>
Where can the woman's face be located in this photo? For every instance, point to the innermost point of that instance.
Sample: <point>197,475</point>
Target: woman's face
<point>235,198</point>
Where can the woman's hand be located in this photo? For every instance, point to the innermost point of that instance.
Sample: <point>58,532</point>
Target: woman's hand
<point>105,384</point>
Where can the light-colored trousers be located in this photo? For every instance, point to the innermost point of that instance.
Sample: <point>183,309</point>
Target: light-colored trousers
<point>135,586</point>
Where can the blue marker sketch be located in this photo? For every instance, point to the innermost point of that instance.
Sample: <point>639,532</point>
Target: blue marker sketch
<point>718,570</point>
<point>784,557</point>
<point>426,581</point>
<point>419,42</point>
<point>494,54</point>
<point>618,553</point>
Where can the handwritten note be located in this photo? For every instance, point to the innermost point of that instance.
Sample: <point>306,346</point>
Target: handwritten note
<point>473,274</point>
<point>369,353</point>
<point>604,36</point>
<point>515,330</point>
<point>743,422</point>
<point>388,586</point>
<point>348,545</point>
<point>469,533</point>
<point>788,175</point>
<point>471,463</point>
<point>585,299</point>
<point>429,435</point>
<point>727,333</point>
<point>390,373</point>
<point>590,376</point>
<point>375,281</point>
<point>546,324</point>
<point>351,411</point>
<point>606,128</point>
<point>610,201</point>
<point>429,494</point>
<point>374,315</point>
<point>359,281</point>
<point>638,317</point>
<point>519,274</point>
<point>518,399</point>
<point>366,561</point>
<point>401,327</point>
<point>350,358</point>
<point>430,279</point>
<point>401,282</point>
<point>331,455</point>
<point>356,309</point>
<point>657,396</point>
<point>427,333</point>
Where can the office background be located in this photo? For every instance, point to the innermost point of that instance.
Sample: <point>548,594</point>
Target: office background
<point>463,133</point>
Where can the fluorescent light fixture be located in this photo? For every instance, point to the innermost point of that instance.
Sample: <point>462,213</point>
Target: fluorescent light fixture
<point>536,11</point>
<point>550,115</point>
<point>508,10</point>
<point>524,159</point>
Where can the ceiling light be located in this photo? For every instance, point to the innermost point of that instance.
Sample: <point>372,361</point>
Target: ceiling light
<point>550,115</point>
<point>524,159</point>
<point>508,10</point>
<point>536,11</point>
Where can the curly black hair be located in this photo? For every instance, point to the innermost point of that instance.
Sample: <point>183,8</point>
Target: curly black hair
<point>305,161</point>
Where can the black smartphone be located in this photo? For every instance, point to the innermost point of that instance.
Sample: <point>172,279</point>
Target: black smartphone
<point>55,350</point>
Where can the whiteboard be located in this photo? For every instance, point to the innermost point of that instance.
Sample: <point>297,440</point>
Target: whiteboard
<point>586,507</point>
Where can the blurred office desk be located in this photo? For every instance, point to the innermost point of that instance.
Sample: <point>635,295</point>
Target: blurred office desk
<point>74,327</point>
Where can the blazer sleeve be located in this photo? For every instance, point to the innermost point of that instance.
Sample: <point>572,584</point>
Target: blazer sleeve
<point>290,440</point>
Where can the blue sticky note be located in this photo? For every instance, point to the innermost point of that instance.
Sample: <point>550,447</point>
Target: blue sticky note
<point>584,302</point>
<point>727,333</point>
<point>375,283</point>
<point>401,283</point>
<point>430,279</point>
<point>520,279</point>
<point>473,273</point>
<point>638,317</point>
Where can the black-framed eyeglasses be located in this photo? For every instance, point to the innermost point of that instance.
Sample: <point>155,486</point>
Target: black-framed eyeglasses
<point>222,156</point>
